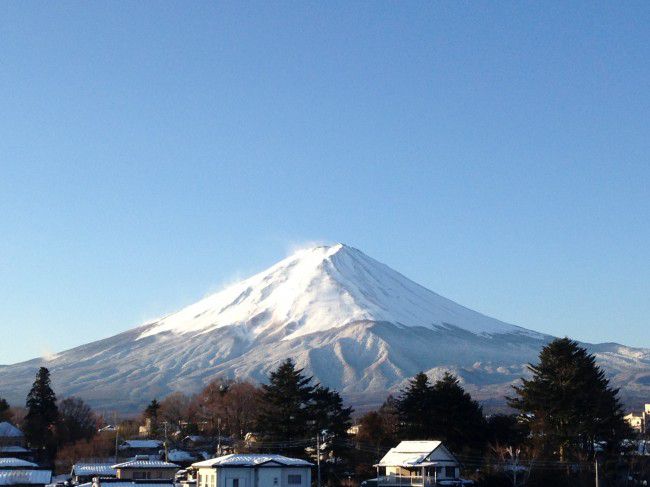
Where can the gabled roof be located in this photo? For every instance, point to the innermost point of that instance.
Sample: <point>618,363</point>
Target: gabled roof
<point>13,449</point>
<point>98,469</point>
<point>180,456</point>
<point>141,444</point>
<point>23,477</point>
<point>417,454</point>
<point>15,462</point>
<point>251,460</point>
<point>146,464</point>
<point>8,430</point>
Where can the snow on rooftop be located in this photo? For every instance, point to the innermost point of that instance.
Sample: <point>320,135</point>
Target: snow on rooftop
<point>13,449</point>
<point>25,477</point>
<point>146,464</point>
<point>251,460</point>
<point>409,453</point>
<point>8,430</point>
<point>141,444</point>
<point>15,462</point>
<point>87,469</point>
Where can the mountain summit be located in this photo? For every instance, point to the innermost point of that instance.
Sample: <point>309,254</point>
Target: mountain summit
<point>321,288</point>
<point>351,321</point>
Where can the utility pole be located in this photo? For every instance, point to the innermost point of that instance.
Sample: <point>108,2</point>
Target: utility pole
<point>117,434</point>
<point>219,437</point>
<point>165,444</point>
<point>597,482</point>
<point>318,458</point>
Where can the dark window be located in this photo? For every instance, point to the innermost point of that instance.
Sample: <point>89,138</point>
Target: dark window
<point>294,479</point>
<point>450,472</point>
<point>235,482</point>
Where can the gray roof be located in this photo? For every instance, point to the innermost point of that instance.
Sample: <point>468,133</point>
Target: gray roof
<point>86,469</point>
<point>8,430</point>
<point>141,444</point>
<point>15,462</point>
<point>13,449</point>
<point>251,460</point>
<point>23,477</point>
<point>146,464</point>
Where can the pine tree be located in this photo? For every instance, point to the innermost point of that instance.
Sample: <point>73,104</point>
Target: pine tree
<point>284,417</point>
<point>415,407</point>
<point>456,418</point>
<point>42,415</point>
<point>442,411</point>
<point>151,414</point>
<point>568,403</point>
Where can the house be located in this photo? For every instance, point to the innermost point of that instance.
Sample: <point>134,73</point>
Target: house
<point>10,435</point>
<point>141,468</point>
<point>418,463</point>
<point>85,472</point>
<point>253,470</point>
<point>15,451</point>
<point>133,448</point>
<point>636,421</point>
<point>15,472</point>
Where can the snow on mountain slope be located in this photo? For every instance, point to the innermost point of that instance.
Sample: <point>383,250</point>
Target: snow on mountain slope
<point>321,288</point>
<point>350,321</point>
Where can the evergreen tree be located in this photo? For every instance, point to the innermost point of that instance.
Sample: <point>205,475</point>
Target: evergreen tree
<point>442,411</point>
<point>42,415</point>
<point>415,408</point>
<point>457,419</point>
<point>284,417</point>
<point>568,403</point>
<point>331,420</point>
<point>151,415</point>
<point>5,413</point>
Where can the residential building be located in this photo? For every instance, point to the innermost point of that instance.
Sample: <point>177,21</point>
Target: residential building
<point>253,470</point>
<point>418,463</point>
<point>85,472</point>
<point>141,468</point>
<point>131,448</point>
<point>10,435</point>
<point>15,472</point>
<point>636,421</point>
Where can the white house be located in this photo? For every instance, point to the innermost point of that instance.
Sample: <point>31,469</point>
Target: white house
<point>418,463</point>
<point>253,470</point>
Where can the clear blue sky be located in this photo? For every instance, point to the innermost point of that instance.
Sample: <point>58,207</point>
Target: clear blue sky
<point>496,152</point>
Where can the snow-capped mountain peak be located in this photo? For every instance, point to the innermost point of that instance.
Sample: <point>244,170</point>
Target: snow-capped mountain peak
<point>321,288</point>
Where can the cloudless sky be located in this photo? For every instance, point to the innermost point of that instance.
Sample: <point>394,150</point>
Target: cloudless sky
<point>151,152</point>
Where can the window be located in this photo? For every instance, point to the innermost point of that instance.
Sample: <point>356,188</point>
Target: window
<point>450,472</point>
<point>141,475</point>
<point>235,482</point>
<point>294,479</point>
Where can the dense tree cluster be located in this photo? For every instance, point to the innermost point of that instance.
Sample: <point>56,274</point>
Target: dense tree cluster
<point>567,415</point>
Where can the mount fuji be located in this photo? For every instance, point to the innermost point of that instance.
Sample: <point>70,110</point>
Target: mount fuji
<point>353,323</point>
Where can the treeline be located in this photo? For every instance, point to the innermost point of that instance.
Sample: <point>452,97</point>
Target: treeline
<point>565,417</point>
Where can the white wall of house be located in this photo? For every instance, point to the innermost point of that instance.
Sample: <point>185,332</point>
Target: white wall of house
<point>263,476</point>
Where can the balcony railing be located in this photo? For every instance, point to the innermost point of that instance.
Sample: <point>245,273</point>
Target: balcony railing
<point>406,481</point>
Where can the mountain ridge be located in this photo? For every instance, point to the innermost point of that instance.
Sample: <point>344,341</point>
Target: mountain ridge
<point>352,322</point>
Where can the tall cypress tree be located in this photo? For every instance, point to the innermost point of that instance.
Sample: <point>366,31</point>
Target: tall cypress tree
<point>42,415</point>
<point>568,403</point>
<point>284,418</point>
